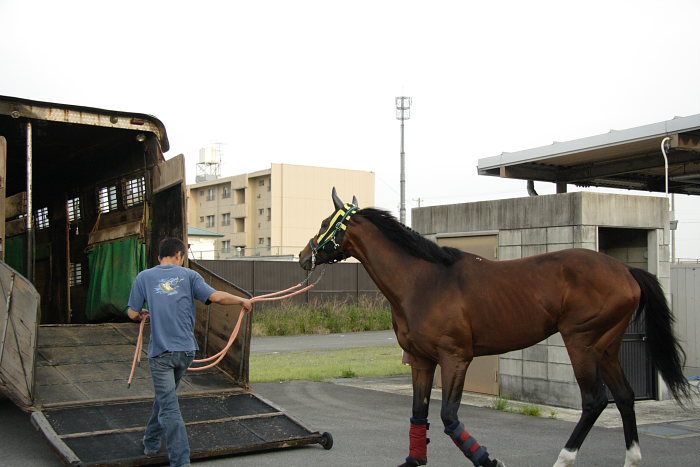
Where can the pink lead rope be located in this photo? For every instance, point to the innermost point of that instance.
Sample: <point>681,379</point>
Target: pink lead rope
<point>290,292</point>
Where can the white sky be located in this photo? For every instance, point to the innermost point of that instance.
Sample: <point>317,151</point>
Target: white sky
<point>313,82</point>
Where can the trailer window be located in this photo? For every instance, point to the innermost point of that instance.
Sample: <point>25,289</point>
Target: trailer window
<point>107,199</point>
<point>73,208</point>
<point>134,191</point>
<point>76,274</point>
<point>41,218</point>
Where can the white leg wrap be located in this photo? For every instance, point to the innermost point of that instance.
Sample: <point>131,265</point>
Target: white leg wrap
<point>566,458</point>
<point>633,457</point>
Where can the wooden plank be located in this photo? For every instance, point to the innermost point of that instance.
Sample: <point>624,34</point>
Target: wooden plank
<point>42,424</point>
<point>15,227</point>
<point>20,324</point>
<point>15,205</point>
<point>116,232</point>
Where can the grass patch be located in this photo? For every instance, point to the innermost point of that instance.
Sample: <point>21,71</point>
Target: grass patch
<point>500,403</point>
<point>327,364</point>
<point>286,318</point>
<point>530,410</point>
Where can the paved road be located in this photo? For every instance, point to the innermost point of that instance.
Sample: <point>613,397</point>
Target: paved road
<point>276,344</point>
<point>370,428</point>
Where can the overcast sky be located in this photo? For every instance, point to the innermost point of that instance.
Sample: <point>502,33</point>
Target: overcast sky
<point>313,82</point>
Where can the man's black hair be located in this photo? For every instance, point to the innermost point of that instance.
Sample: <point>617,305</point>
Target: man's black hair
<point>169,246</point>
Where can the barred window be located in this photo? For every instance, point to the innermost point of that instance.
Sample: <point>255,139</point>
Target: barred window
<point>134,191</point>
<point>226,246</point>
<point>41,218</point>
<point>211,221</point>
<point>107,199</point>
<point>73,208</point>
<point>76,274</point>
<point>226,192</point>
<point>226,218</point>
<point>211,194</point>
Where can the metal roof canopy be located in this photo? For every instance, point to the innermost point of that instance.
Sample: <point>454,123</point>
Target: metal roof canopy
<point>629,159</point>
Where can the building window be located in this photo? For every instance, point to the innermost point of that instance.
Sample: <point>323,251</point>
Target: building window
<point>211,194</point>
<point>201,218</point>
<point>269,241</point>
<point>73,209</point>
<point>240,224</point>
<point>226,246</point>
<point>134,191</point>
<point>201,192</point>
<point>226,218</point>
<point>261,241</point>
<point>41,218</point>
<point>269,214</point>
<point>261,182</point>
<point>261,211</point>
<point>107,199</point>
<point>211,221</point>
<point>226,193</point>
<point>76,274</point>
<point>240,196</point>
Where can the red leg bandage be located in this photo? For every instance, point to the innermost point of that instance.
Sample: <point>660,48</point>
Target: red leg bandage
<point>418,447</point>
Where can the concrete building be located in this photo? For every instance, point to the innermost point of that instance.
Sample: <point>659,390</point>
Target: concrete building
<point>272,212</point>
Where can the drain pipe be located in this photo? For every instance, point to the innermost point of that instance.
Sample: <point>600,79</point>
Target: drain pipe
<point>672,213</point>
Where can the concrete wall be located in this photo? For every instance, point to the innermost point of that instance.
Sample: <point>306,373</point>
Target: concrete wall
<point>534,225</point>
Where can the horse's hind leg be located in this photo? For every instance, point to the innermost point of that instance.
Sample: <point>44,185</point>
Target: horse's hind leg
<point>453,374</point>
<point>422,374</point>
<point>624,399</point>
<point>593,401</point>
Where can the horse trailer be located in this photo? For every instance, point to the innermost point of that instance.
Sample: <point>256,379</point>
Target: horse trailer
<point>86,194</point>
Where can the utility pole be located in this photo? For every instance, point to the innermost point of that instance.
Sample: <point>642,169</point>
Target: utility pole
<point>403,112</point>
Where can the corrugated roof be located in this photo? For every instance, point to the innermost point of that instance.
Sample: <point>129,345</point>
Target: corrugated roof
<point>630,158</point>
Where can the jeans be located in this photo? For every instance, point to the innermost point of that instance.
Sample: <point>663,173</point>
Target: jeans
<point>166,371</point>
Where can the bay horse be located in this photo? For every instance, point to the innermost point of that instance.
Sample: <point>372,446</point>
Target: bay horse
<point>449,306</point>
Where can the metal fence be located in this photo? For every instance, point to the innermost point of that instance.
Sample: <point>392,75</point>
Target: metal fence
<point>342,281</point>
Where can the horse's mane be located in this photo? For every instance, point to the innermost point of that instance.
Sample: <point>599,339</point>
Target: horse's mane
<point>409,240</point>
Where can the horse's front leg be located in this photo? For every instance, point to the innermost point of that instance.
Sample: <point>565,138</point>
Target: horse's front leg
<point>453,374</point>
<point>422,371</point>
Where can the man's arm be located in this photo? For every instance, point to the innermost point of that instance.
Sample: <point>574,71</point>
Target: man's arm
<point>135,315</point>
<point>225,298</point>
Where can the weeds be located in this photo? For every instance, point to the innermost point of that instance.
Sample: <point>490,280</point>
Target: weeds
<point>530,410</point>
<point>500,403</point>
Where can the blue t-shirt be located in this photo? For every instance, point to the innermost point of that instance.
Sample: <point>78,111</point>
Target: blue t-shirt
<point>170,291</point>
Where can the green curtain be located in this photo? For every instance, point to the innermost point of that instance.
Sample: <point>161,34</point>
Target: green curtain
<point>113,268</point>
<point>16,253</point>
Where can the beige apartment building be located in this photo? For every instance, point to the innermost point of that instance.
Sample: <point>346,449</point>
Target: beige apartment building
<point>272,212</point>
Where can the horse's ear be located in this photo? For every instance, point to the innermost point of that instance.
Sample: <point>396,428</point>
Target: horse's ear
<point>354,200</point>
<point>336,200</point>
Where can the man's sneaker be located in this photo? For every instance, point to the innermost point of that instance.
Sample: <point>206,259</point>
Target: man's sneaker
<point>149,452</point>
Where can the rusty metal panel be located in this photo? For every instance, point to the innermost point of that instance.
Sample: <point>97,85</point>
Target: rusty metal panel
<point>216,322</point>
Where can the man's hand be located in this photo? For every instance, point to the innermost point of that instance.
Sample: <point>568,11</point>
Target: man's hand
<point>246,305</point>
<point>138,316</point>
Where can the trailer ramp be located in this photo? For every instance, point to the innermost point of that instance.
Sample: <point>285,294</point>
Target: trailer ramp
<point>110,434</point>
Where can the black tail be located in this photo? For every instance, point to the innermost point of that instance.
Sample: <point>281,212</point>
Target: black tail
<point>666,353</point>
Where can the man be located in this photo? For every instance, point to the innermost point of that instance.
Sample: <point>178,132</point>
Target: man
<point>170,291</point>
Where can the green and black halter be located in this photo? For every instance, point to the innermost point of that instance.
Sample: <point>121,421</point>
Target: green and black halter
<point>328,242</point>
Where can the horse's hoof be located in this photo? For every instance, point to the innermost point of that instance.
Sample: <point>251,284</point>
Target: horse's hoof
<point>494,463</point>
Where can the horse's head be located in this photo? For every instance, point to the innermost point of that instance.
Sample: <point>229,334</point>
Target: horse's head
<point>326,245</point>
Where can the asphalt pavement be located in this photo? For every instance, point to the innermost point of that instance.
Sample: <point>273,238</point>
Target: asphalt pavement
<point>369,421</point>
